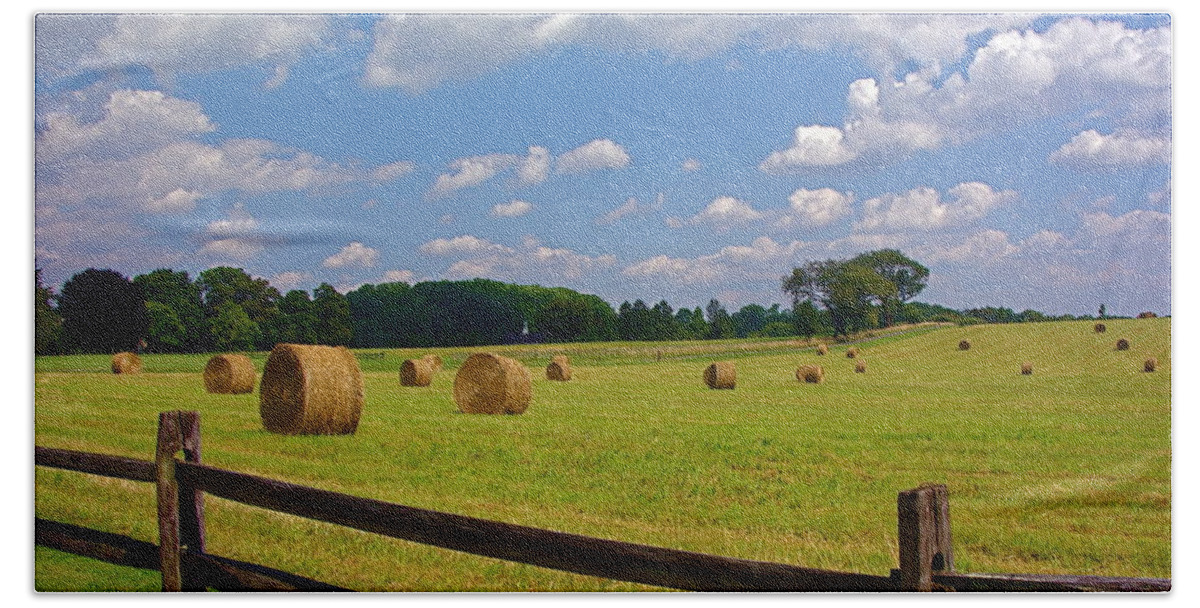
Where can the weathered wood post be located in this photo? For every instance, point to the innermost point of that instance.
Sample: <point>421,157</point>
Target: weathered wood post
<point>924,536</point>
<point>180,509</point>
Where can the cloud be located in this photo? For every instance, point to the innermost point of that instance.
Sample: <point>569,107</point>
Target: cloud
<point>399,276</point>
<point>759,261</point>
<point>817,208</point>
<point>175,201</point>
<point>983,247</point>
<point>391,171</point>
<point>593,156</point>
<point>354,254</point>
<point>460,245</point>
<point>629,207</point>
<point>722,212</point>
<point>1092,151</point>
<point>235,237</point>
<point>472,171</point>
<point>690,165</point>
<point>512,209</point>
<point>291,279</point>
<point>531,262</point>
<point>923,209</point>
<point>812,145</point>
<point>535,167</point>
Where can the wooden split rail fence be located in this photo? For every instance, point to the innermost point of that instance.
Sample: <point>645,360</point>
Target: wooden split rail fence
<point>926,556</point>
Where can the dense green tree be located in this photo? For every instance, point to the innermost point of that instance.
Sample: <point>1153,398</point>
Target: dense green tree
<point>177,292</point>
<point>720,324</point>
<point>232,329</point>
<point>807,319</point>
<point>166,333</point>
<point>750,319</point>
<point>445,313</point>
<point>47,324</point>
<point>333,316</point>
<point>378,315</point>
<point>256,297</point>
<point>576,318</point>
<point>102,312</point>
<point>297,321</point>
<point>855,292</point>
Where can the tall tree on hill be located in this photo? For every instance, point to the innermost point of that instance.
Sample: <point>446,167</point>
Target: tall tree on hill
<point>256,297</point>
<point>180,306</point>
<point>47,324</point>
<point>908,275</point>
<point>102,312</point>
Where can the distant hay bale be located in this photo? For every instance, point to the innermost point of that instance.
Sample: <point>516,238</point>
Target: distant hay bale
<point>416,372</point>
<point>229,375</point>
<point>434,361</point>
<point>311,390</point>
<point>812,374</point>
<point>964,345</point>
<point>1100,328</point>
<point>1146,315</point>
<point>1150,365</point>
<point>559,369</point>
<point>1122,344</point>
<point>822,349</point>
<point>126,363</point>
<point>851,352</point>
<point>860,366</point>
<point>721,375</point>
<point>1027,369</point>
<point>491,384</point>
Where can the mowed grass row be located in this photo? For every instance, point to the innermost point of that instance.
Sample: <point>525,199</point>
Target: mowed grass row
<point>1063,471</point>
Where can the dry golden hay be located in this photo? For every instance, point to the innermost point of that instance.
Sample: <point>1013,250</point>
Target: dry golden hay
<point>1150,365</point>
<point>1027,369</point>
<point>851,352</point>
<point>822,349</point>
<point>416,372</point>
<point>434,361</point>
<point>1100,328</point>
<point>229,375</point>
<point>860,366</point>
<point>559,369</point>
<point>311,390</point>
<point>1122,344</point>
<point>813,374</point>
<point>964,345</point>
<point>491,384</point>
<point>720,375</point>
<point>1146,315</point>
<point>126,363</point>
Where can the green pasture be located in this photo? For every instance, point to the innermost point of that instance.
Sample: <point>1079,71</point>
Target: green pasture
<point>1067,470</point>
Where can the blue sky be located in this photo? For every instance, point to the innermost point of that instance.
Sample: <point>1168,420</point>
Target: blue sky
<point>1024,158</point>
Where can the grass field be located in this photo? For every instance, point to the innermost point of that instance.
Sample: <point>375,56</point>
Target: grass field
<point>1067,470</point>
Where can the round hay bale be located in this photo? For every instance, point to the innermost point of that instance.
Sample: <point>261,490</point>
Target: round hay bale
<point>1027,369</point>
<point>1099,328</point>
<point>1122,344</point>
<point>559,369</point>
<point>434,361</point>
<point>721,375</point>
<point>1146,315</point>
<point>311,390</point>
<point>126,363</point>
<point>964,345</point>
<point>822,349</point>
<point>229,375</point>
<point>416,372</point>
<point>860,366</point>
<point>491,384</point>
<point>1150,365</point>
<point>812,374</point>
<point>851,352</point>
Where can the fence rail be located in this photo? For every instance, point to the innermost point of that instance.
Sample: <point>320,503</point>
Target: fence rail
<point>926,553</point>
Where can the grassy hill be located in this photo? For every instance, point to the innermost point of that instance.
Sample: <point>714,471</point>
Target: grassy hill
<point>1065,470</point>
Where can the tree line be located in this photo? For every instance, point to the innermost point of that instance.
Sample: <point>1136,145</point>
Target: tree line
<point>225,309</point>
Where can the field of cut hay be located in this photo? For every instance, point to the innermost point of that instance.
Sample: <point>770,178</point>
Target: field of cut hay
<point>1063,471</point>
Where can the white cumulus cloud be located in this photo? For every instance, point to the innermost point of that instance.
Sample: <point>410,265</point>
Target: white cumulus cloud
<point>924,209</point>
<point>353,254</point>
<point>817,208</point>
<point>1091,150</point>
<point>514,208</point>
<point>593,156</point>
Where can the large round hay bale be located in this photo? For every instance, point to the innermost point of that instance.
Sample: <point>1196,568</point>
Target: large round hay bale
<point>1122,344</point>
<point>311,390</point>
<point>416,372</point>
<point>229,375</point>
<point>822,349</point>
<point>813,374</point>
<point>1099,328</point>
<point>491,384</point>
<point>1150,365</point>
<point>851,352</point>
<point>721,375</point>
<point>964,345</point>
<point>434,361</point>
<point>559,369</point>
<point>1027,369</point>
<point>860,366</point>
<point>126,363</point>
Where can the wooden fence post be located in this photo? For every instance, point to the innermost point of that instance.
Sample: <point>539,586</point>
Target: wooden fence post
<point>924,536</point>
<point>180,506</point>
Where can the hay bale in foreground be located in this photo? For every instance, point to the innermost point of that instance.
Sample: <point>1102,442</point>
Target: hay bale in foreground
<point>434,361</point>
<point>964,345</point>
<point>1122,344</point>
<point>311,390</point>
<point>491,384</point>
<point>1150,365</point>
<point>559,369</point>
<point>812,374</point>
<point>1027,369</point>
<point>126,363</point>
<point>860,366</point>
<point>721,375</point>
<point>229,375</point>
<point>822,349</point>
<point>1099,328</point>
<point>416,372</point>
<point>851,352</point>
